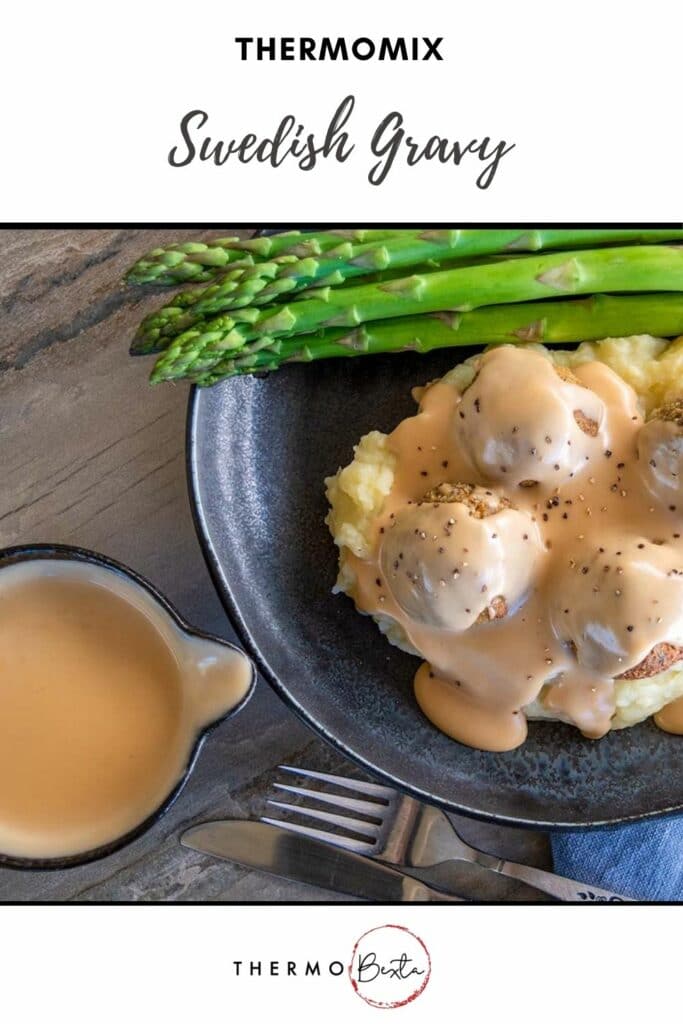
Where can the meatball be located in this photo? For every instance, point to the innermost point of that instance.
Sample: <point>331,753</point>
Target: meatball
<point>460,556</point>
<point>660,452</point>
<point>523,421</point>
<point>619,607</point>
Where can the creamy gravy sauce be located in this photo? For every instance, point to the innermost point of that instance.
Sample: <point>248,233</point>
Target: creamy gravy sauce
<point>101,700</point>
<point>589,560</point>
<point>670,718</point>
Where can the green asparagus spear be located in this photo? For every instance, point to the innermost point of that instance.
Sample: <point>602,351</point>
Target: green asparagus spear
<point>203,261</point>
<point>549,322</point>
<point>180,313</point>
<point>157,329</point>
<point>271,281</point>
<point>634,268</point>
<point>267,282</point>
<point>402,250</point>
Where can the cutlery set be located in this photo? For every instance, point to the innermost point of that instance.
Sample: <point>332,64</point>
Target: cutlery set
<point>379,845</point>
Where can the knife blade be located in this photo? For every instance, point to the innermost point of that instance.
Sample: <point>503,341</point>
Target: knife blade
<point>302,859</point>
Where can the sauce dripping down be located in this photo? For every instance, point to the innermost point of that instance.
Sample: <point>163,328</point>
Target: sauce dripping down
<point>670,718</point>
<point>584,544</point>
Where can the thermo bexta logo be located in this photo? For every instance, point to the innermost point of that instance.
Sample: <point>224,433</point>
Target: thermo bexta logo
<point>390,966</point>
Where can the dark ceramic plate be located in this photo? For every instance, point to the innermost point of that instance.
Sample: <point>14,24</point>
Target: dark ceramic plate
<point>258,451</point>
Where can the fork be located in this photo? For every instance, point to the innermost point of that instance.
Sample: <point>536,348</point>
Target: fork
<point>413,836</point>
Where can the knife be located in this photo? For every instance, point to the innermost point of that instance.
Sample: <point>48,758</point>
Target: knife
<point>302,859</point>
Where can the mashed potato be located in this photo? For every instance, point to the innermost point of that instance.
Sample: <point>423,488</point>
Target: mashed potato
<point>654,369</point>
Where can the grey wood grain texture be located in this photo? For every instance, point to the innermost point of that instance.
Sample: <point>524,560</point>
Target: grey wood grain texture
<point>90,455</point>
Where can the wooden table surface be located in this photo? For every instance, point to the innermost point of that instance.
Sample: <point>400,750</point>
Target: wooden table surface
<point>90,455</point>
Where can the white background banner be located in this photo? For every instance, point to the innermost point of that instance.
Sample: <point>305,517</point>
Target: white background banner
<point>177,964</point>
<point>588,94</point>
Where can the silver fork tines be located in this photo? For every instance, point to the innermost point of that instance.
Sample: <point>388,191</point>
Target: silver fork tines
<point>373,810</point>
<point>369,788</point>
<point>380,809</point>
<point>365,828</point>
<point>345,842</point>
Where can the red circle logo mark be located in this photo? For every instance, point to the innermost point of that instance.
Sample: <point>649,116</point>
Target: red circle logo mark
<point>390,966</point>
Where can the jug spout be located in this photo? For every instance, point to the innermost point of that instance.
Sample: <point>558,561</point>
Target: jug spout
<point>220,678</point>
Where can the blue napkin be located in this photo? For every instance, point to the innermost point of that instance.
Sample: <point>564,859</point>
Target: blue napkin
<point>643,861</point>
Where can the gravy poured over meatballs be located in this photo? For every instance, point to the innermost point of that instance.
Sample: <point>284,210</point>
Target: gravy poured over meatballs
<point>530,546</point>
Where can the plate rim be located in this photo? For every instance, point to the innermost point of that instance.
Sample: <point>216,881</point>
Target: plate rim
<point>232,610</point>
